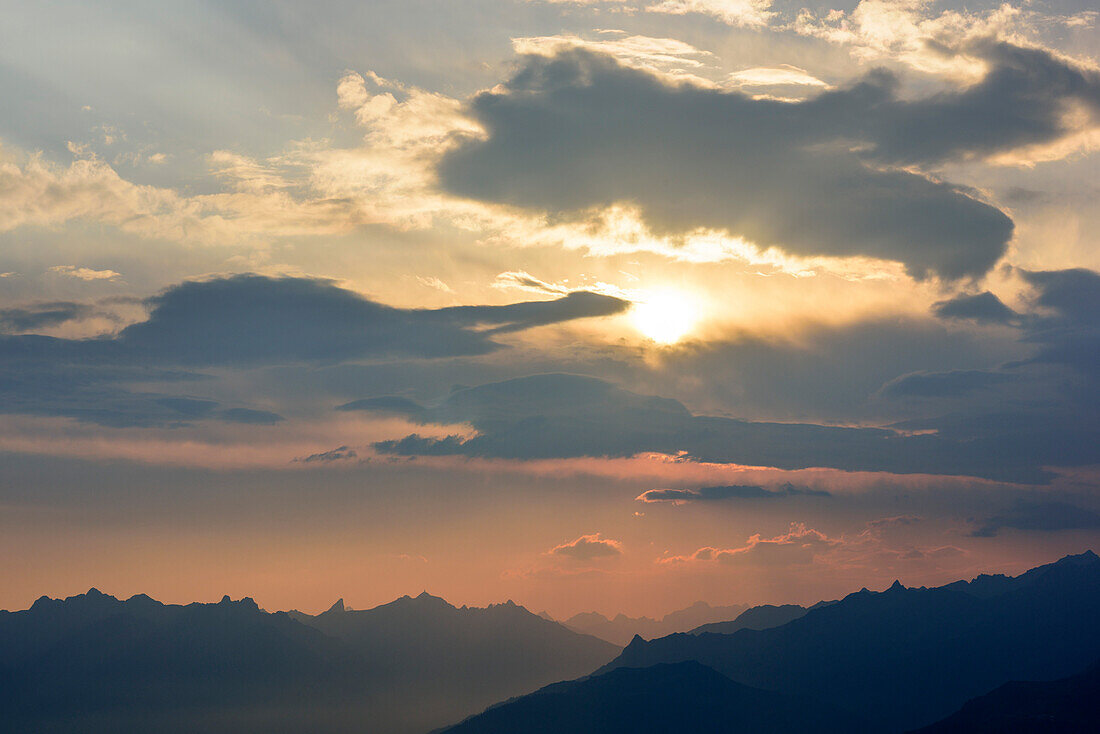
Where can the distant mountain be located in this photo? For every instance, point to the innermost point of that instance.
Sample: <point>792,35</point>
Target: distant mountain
<point>468,652</point>
<point>622,628</point>
<point>1066,706</point>
<point>678,697</point>
<point>92,663</point>
<point>908,657</point>
<point>762,617</point>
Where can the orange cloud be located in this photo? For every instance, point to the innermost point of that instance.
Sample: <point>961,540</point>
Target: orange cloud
<point>588,548</point>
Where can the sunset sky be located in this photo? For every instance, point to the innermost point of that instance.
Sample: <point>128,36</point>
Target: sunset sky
<point>606,306</point>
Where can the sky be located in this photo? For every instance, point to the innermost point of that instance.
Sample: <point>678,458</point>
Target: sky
<point>593,305</point>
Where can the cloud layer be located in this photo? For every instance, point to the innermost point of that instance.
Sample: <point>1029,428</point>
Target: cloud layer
<point>576,131</point>
<point>241,322</point>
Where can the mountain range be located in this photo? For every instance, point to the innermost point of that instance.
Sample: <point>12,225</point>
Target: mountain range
<point>94,663</point>
<point>762,617</point>
<point>993,654</point>
<point>905,658</point>
<point>621,629</point>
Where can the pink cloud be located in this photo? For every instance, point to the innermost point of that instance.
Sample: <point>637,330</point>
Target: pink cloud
<point>807,551</point>
<point>588,548</point>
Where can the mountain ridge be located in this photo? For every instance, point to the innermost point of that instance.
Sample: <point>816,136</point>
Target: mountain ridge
<point>95,663</point>
<point>907,657</point>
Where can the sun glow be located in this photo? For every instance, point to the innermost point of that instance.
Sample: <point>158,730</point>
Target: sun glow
<point>665,316</point>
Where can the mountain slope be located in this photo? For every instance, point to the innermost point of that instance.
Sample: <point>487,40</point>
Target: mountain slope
<point>1064,706</point>
<point>762,617</point>
<point>93,663</point>
<point>621,629</point>
<point>908,657</point>
<point>678,697</point>
<point>472,653</point>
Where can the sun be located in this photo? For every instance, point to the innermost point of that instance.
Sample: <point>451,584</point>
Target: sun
<point>665,316</point>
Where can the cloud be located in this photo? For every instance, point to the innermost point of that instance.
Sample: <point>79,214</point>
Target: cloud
<point>588,548</point>
<point>41,315</point>
<point>805,550</point>
<point>1016,421</point>
<point>666,56</point>
<point>85,273</point>
<point>798,546</point>
<point>980,307</point>
<point>784,75</point>
<point>817,177</point>
<point>1044,517</point>
<point>254,319</point>
<point>250,416</point>
<point>562,416</point>
<point>894,522</point>
<point>729,492</point>
<point>194,409</point>
<point>241,321</point>
<point>38,193</point>
<point>952,383</point>
<point>1047,405</point>
<point>340,453</point>
<point>737,13</point>
<point>524,281</point>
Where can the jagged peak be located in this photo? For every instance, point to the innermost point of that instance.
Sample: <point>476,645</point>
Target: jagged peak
<point>94,593</point>
<point>896,586</point>
<point>42,601</point>
<point>337,608</point>
<point>1086,557</point>
<point>246,602</point>
<point>423,600</point>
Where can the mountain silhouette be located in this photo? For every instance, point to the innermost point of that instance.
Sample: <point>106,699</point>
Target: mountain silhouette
<point>1065,706</point>
<point>465,653</point>
<point>621,629</point>
<point>761,617</point>
<point>669,698</point>
<point>92,663</point>
<point>905,658</point>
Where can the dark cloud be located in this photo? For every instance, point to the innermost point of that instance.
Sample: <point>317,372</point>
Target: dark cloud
<point>340,453</point>
<point>109,395</point>
<point>1025,98</point>
<point>1046,517</point>
<point>952,383</point>
<point>732,492</point>
<point>41,315</point>
<point>247,320</point>
<point>189,409</point>
<point>1069,333</point>
<point>831,373</point>
<point>249,416</point>
<point>980,307</point>
<point>579,130</point>
<point>242,321</point>
<point>1046,407</point>
<point>258,320</point>
<point>1013,422</point>
<point>895,521</point>
<point>560,416</point>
